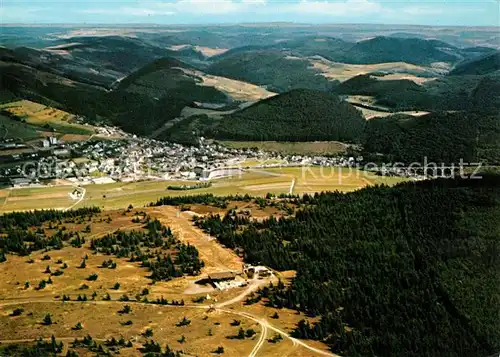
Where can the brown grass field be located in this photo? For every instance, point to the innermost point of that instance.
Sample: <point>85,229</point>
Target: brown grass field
<point>374,113</point>
<point>238,90</point>
<point>343,71</point>
<point>208,329</point>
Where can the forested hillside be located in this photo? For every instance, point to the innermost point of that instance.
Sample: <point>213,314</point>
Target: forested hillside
<point>134,112</point>
<point>139,103</point>
<point>139,82</point>
<point>270,68</point>
<point>379,49</point>
<point>299,115</point>
<point>408,271</point>
<point>442,94</point>
<point>441,138</point>
<point>166,78</point>
<point>395,94</point>
<point>486,64</point>
<point>392,49</point>
<point>189,130</point>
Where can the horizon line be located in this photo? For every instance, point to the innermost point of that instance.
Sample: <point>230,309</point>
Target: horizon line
<point>255,23</point>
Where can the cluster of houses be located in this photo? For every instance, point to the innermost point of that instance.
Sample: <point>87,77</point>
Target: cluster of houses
<point>132,158</point>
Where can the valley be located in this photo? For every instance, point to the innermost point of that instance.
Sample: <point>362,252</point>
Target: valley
<point>257,189</point>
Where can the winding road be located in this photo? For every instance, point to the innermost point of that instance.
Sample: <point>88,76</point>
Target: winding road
<point>265,325</point>
<point>83,191</point>
<point>223,306</point>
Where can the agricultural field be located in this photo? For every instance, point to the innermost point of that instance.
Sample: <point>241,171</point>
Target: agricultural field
<point>206,51</point>
<point>46,119</point>
<point>376,111</point>
<point>397,70</point>
<point>312,179</point>
<point>254,182</point>
<point>238,90</point>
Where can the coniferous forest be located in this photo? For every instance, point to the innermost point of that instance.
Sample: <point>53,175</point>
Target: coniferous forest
<point>411,270</point>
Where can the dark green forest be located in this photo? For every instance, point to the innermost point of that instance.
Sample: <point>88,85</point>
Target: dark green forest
<point>411,270</point>
<point>271,69</point>
<point>298,115</point>
<point>188,131</point>
<point>441,137</point>
<point>478,66</point>
<point>470,93</point>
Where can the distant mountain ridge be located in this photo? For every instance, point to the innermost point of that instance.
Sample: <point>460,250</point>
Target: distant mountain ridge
<point>379,49</point>
<point>284,66</point>
<point>410,50</point>
<point>141,84</point>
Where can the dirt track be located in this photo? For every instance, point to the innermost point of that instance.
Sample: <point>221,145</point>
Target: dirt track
<point>265,325</point>
<point>216,257</point>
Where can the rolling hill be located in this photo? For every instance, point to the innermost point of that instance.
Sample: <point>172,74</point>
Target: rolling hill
<point>295,63</point>
<point>60,65</point>
<point>486,64</point>
<point>380,49</point>
<point>442,94</point>
<point>140,83</point>
<point>439,137</point>
<point>273,69</point>
<point>119,54</point>
<point>140,102</point>
<point>139,105</point>
<point>298,115</point>
<point>307,46</point>
<point>168,77</point>
<point>175,79</point>
<point>138,114</point>
<point>411,50</point>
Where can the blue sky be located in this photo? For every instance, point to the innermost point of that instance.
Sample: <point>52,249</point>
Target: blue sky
<point>423,12</point>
